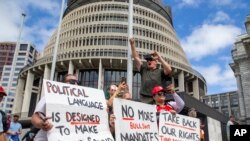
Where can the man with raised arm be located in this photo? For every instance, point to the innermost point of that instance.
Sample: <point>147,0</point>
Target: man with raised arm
<point>151,76</point>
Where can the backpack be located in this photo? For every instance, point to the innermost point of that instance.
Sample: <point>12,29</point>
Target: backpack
<point>6,120</point>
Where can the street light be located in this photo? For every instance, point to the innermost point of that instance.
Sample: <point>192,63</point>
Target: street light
<point>12,69</point>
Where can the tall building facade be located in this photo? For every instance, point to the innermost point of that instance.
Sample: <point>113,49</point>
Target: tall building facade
<point>26,56</point>
<point>7,50</point>
<point>241,68</point>
<point>93,44</point>
<point>226,103</point>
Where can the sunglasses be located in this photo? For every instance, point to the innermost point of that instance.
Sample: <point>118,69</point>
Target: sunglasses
<point>161,93</point>
<point>73,82</point>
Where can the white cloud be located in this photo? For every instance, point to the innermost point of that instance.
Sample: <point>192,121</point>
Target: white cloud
<point>209,39</point>
<point>36,29</point>
<point>221,17</point>
<point>216,76</point>
<point>221,2</point>
<point>190,3</point>
<point>231,3</point>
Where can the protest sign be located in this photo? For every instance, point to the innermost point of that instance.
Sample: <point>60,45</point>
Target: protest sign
<point>135,121</point>
<point>78,113</point>
<point>178,127</point>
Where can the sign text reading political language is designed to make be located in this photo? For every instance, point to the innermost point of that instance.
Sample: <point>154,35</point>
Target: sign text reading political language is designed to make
<point>78,113</point>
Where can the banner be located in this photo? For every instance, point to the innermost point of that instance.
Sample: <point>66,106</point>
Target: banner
<point>178,127</point>
<point>135,121</point>
<point>78,113</point>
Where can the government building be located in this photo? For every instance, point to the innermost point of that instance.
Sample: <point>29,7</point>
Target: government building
<point>241,69</point>
<point>93,45</point>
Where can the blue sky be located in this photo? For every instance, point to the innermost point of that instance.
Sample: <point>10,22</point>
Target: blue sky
<point>206,29</point>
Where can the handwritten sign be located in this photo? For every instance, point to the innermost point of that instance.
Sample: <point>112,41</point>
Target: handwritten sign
<point>135,121</point>
<point>178,127</point>
<point>78,113</point>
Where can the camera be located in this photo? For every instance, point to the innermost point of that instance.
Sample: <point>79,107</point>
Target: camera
<point>148,57</point>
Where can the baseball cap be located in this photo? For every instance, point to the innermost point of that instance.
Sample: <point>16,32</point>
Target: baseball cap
<point>2,91</point>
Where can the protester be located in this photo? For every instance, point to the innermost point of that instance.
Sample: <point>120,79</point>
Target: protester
<point>229,123</point>
<point>159,96</point>
<point>111,90</point>
<point>121,92</point>
<point>39,120</point>
<point>2,128</point>
<point>151,76</point>
<point>112,124</point>
<point>15,129</point>
<point>192,112</point>
<point>202,132</point>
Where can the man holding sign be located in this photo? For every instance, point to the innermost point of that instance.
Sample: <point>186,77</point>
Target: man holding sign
<point>38,118</point>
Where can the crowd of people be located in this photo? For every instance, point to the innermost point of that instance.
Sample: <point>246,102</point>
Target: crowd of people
<point>153,91</point>
<point>155,87</point>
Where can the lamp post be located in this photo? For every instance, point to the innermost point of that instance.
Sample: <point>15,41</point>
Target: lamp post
<point>12,69</point>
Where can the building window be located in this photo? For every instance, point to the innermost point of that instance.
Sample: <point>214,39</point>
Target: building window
<point>8,69</point>
<point>5,79</point>
<point>19,64</point>
<point>89,78</point>
<point>20,59</point>
<point>23,47</point>
<point>21,54</point>
<point>190,86</point>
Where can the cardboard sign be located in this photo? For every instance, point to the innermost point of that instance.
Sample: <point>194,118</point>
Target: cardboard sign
<point>135,121</point>
<point>178,127</point>
<point>78,113</point>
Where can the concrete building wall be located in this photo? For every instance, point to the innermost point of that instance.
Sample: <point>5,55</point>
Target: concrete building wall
<point>214,129</point>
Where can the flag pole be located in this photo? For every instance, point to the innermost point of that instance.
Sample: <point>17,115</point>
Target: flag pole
<point>56,45</point>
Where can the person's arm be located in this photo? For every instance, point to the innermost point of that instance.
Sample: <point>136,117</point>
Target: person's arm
<point>178,104</point>
<point>39,119</point>
<point>166,67</point>
<point>10,132</point>
<point>135,54</point>
<point>111,99</point>
<point>20,130</point>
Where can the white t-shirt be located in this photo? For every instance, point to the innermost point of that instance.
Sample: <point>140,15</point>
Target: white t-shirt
<point>40,107</point>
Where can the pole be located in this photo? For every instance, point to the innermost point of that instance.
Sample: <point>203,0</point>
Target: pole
<point>12,69</point>
<point>130,63</point>
<point>56,45</point>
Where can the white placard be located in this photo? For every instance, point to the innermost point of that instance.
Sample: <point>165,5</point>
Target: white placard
<point>135,121</point>
<point>178,127</point>
<point>78,113</point>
